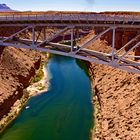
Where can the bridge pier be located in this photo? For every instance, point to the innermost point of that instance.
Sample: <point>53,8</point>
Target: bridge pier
<point>113,43</point>
<point>33,37</point>
<point>72,39</point>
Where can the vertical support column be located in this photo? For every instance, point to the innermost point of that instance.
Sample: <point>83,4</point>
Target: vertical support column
<point>33,37</point>
<point>77,34</point>
<point>72,38</point>
<point>113,43</point>
<point>44,33</point>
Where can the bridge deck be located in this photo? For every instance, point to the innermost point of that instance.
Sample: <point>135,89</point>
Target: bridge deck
<point>60,18</point>
<point>36,25</point>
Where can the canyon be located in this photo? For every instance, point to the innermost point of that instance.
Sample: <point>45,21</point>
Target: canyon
<point>117,93</point>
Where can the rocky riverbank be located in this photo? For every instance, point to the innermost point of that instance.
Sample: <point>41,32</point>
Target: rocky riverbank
<point>119,99</point>
<point>116,100</point>
<point>40,86</point>
<point>17,69</point>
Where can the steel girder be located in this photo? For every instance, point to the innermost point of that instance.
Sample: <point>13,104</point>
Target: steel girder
<point>113,58</point>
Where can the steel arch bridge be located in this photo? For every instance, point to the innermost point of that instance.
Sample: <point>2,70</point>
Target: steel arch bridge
<point>38,24</point>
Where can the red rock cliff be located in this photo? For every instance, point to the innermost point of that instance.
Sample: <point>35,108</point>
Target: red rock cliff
<point>17,67</point>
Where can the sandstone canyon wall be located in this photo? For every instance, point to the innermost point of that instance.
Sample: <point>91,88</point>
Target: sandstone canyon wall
<point>17,67</point>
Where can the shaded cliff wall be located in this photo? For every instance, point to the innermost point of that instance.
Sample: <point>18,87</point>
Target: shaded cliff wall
<point>17,67</point>
<point>122,37</point>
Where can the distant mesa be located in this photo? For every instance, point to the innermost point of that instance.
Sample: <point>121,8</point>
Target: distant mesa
<point>5,8</point>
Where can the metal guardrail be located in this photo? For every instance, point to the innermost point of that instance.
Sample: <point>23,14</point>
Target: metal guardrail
<point>71,17</point>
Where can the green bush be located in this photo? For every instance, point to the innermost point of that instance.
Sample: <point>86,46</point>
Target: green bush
<point>39,76</point>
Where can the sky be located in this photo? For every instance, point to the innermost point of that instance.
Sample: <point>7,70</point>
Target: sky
<point>74,5</point>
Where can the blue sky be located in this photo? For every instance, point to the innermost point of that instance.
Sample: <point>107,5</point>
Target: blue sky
<point>74,5</point>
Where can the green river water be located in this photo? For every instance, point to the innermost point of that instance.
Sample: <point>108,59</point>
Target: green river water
<point>65,112</point>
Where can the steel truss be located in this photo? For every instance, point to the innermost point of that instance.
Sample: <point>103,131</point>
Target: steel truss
<point>116,58</point>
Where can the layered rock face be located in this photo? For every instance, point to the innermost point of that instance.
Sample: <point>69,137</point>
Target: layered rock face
<point>17,67</point>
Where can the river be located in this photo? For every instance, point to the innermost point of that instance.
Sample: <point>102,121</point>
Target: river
<point>64,112</point>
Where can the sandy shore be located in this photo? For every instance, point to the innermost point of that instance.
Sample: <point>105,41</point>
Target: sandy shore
<point>39,87</point>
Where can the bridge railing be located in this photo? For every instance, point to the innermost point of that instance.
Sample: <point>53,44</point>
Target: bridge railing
<point>70,17</point>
